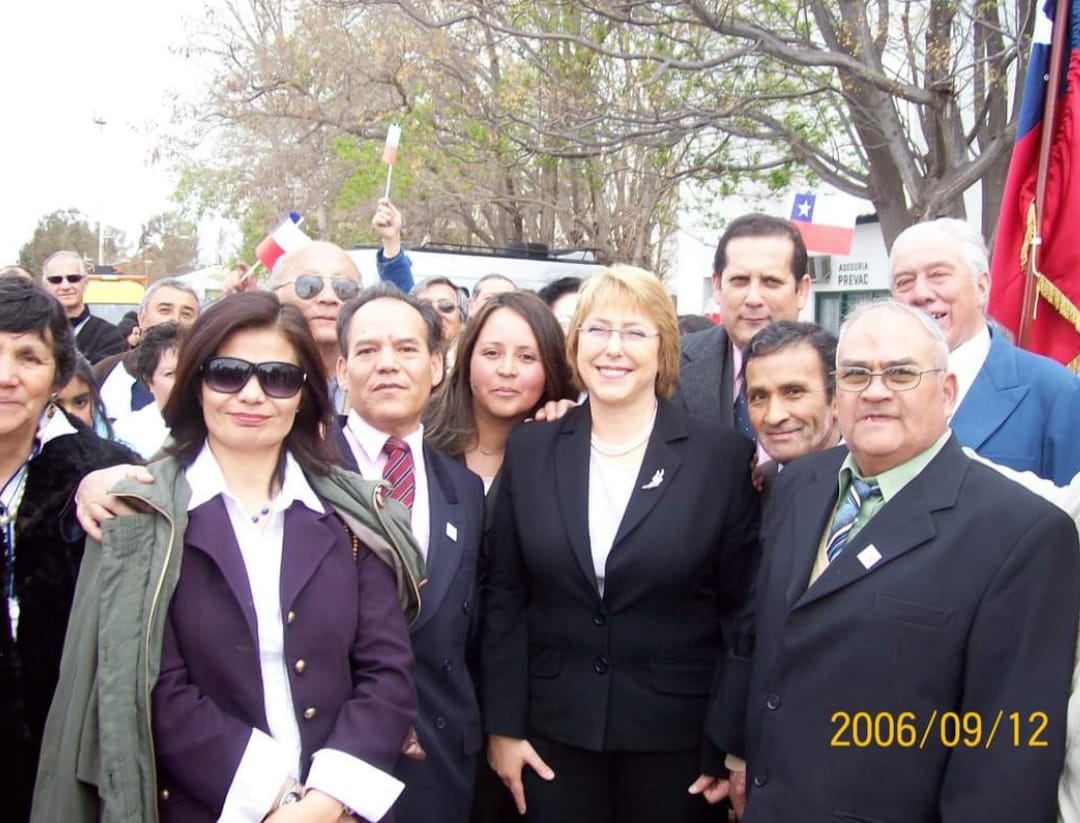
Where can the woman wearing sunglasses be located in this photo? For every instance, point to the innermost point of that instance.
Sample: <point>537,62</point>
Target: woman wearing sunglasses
<point>254,660</point>
<point>624,535</point>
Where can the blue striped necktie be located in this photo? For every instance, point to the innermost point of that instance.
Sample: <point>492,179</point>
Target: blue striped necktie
<point>742,416</point>
<point>858,492</point>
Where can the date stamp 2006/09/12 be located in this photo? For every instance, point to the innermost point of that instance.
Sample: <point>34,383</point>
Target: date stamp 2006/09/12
<point>907,730</point>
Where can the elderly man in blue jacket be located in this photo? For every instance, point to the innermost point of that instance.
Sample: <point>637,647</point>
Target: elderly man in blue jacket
<point>1013,407</point>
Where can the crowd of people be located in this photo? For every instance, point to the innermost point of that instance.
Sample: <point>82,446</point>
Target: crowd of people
<point>321,551</point>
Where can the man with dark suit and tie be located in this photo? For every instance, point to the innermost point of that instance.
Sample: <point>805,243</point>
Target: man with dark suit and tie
<point>790,392</point>
<point>1013,407</point>
<point>759,277</point>
<point>916,614</point>
<point>391,357</point>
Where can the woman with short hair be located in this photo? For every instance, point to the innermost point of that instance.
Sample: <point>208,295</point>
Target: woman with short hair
<point>43,455</point>
<point>624,536</point>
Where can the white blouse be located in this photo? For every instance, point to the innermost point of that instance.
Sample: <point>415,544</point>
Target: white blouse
<point>611,483</point>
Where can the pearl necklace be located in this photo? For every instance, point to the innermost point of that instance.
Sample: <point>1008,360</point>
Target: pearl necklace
<point>607,450</point>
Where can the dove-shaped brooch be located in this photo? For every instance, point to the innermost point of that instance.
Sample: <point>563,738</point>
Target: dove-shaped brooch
<point>657,479</point>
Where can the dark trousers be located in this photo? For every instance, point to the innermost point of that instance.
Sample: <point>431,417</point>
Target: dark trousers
<point>616,787</point>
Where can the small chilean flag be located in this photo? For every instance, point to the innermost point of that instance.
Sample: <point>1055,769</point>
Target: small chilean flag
<point>285,238</point>
<point>389,152</point>
<point>826,224</point>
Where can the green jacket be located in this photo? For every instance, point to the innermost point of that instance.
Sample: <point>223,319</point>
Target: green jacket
<point>97,754</point>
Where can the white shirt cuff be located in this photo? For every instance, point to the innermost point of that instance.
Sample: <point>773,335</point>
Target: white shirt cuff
<point>734,764</point>
<point>263,770</point>
<point>367,791</point>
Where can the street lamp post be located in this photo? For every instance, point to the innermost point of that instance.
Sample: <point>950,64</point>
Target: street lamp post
<point>100,123</point>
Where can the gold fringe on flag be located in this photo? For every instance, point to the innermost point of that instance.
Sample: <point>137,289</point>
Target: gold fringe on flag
<point>1049,292</point>
<point>1029,238</point>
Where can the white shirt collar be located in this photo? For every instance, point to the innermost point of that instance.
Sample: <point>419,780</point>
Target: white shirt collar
<point>372,440</point>
<point>967,359</point>
<point>207,481</point>
<point>50,428</point>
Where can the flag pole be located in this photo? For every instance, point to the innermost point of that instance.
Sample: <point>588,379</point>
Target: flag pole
<point>1046,140</point>
<point>389,174</point>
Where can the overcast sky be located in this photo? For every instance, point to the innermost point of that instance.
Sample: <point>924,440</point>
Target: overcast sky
<point>66,63</point>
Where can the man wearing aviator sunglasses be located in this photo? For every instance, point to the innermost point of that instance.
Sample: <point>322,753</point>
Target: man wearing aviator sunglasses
<point>321,276</point>
<point>63,275</point>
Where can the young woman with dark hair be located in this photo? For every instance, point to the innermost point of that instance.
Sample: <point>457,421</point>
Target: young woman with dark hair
<point>259,665</point>
<point>80,399</point>
<point>511,360</point>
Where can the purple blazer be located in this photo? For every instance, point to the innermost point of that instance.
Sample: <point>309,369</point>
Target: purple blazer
<point>354,691</point>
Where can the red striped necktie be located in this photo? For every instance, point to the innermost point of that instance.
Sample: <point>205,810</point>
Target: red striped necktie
<point>399,471</point>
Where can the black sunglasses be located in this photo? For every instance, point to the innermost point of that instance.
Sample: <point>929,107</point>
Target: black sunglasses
<point>57,279</point>
<point>229,375</point>
<point>308,286</point>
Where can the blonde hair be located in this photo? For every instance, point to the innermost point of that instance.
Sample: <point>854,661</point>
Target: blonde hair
<point>637,290</point>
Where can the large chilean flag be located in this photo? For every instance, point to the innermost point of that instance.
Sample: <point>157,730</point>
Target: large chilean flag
<point>1056,330</point>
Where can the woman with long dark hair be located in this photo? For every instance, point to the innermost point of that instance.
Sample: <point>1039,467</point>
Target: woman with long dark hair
<point>259,665</point>
<point>511,360</point>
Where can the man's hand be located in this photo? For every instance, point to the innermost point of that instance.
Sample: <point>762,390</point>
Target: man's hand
<point>94,504</point>
<point>738,793</point>
<point>507,756</point>
<point>239,279</point>
<point>713,789</point>
<point>755,474</point>
<point>387,224</point>
<point>553,410</point>
<point>316,807</point>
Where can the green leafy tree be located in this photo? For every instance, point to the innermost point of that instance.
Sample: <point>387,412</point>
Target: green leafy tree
<point>69,230</point>
<point>168,246</point>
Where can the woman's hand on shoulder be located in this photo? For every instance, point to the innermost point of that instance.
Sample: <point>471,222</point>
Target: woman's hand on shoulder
<point>507,757</point>
<point>553,410</point>
<point>94,504</point>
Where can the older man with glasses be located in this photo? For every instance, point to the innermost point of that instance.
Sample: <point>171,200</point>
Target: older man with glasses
<point>906,593</point>
<point>64,276</point>
<point>441,293</point>
<point>321,276</point>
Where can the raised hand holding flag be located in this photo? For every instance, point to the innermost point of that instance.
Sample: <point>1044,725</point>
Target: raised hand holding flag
<point>389,155</point>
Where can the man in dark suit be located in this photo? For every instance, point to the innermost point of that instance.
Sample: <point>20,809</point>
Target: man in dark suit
<point>1015,408</point>
<point>759,277</point>
<point>63,274</point>
<point>390,359</point>
<point>914,646</point>
<point>790,392</point>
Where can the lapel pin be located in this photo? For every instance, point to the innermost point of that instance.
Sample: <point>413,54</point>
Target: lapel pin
<point>869,556</point>
<point>451,532</point>
<point>657,479</point>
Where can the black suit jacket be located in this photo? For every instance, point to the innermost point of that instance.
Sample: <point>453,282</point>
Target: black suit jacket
<point>707,376</point>
<point>632,670</point>
<point>971,608</point>
<point>440,787</point>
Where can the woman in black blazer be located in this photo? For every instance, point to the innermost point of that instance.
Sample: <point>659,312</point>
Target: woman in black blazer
<point>624,538</point>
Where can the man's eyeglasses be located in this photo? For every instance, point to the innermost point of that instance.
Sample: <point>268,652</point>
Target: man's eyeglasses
<point>308,286</point>
<point>229,375</point>
<point>896,378</point>
<point>629,337</point>
<point>57,279</point>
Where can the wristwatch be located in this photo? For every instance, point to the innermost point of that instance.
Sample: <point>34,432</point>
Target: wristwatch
<point>294,794</point>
